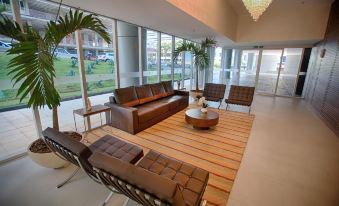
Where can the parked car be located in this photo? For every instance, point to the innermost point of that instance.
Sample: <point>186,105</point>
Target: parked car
<point>4,46</point>
<point>90,56</point>
<point>106,56</point>
<point>63,53</point>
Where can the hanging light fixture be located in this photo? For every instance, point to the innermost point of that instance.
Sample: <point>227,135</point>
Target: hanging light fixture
<point>256,7</point>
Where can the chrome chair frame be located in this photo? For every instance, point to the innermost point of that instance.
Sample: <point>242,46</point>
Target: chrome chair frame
<point>67,155</point>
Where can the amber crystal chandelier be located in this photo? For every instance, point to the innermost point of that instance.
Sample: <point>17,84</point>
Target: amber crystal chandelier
<point>256,7</point>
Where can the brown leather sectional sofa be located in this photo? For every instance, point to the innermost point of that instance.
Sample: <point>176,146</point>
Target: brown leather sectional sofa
<point>134,109</point>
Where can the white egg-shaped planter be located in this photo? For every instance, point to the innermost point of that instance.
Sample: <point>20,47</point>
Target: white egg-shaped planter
<point>48,160</point>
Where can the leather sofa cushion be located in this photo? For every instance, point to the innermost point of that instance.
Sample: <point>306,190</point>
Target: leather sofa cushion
<point>158,90</point>
<point>168,87</point>
<point>191,179</point>
<point>126,96</point>
<point>151,110</point>
<point>163,188</point>
<point>173,101</point>
<point>144,94</point>
<point>117,148</point>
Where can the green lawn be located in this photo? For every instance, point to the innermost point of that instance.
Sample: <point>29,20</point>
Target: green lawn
<point>64,68</point>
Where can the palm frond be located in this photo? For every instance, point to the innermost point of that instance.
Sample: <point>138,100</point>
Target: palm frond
<point>33,68</point>
<point>201,59</point>
<point>208,42</point>
<point>72,22</point>
<point>11,29</point>
<point>184,47</point>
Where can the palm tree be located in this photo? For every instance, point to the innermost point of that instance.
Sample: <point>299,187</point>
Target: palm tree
<point>200,56</point>
<point>33,64</point>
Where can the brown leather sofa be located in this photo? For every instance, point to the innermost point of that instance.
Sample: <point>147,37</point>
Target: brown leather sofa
<point>134,109</point>
<point>156,180</point>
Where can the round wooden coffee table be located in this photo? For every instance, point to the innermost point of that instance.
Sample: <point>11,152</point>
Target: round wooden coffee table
<point>201,120</point>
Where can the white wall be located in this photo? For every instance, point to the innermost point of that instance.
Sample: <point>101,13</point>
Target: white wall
<point>217,14</point>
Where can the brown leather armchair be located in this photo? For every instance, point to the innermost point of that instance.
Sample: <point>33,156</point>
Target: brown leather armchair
<point>240,95</point>
<point>147,185</point>
<point>214,92</point>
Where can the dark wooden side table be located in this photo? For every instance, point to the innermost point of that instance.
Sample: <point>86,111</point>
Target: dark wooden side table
<point>96,109</point>
<point>201,120</point>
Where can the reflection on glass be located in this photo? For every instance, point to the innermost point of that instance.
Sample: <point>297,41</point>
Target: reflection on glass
<point>178,65</point>
<point>166,57</point>
<point>289,70</point>
<point>128,47</point>
<point>269,69</point>
<point>99,61</point>
<point>248,68</point>
<point>151,70</point>
<point>217,65</point>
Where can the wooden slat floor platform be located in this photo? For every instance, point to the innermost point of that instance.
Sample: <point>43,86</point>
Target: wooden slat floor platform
<point>218,150</point>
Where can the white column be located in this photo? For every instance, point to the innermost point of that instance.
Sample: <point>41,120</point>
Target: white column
<point>116,53</point>
<point>183,59</point>
<point>159,56</point>
<point>82,73</point>
<point>36,116</point>
<point>141,53</point>
<point>172,59</point>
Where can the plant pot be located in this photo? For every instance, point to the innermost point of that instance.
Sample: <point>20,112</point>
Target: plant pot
<point>203,110</point>
<point>46,159</point>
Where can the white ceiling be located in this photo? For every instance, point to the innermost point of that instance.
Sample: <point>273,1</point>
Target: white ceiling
<point>240,8</point>
<point>163,16</point>
<point>154,14</point>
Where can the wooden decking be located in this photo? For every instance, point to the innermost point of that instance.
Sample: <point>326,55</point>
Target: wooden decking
<point>218,150</point>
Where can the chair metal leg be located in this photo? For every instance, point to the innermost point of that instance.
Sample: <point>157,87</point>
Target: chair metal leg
<point>226,106</point>
<point>107,198</point>
<point>69,178</point>
<point>220,104</point>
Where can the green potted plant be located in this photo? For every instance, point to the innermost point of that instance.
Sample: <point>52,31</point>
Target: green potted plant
<point>33,67</point>
<point>200,57</point>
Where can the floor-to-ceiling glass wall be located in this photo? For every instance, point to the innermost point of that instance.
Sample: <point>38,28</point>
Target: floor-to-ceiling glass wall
<point>188,69</point>
<point>268,71</point>
<point>128,41</point>
<point>178,65</point>
<point>99,60</point>
<point>216,78</point>
<point>151,71</point>
<point>248,67</point>
<point>166,57</point>
<point>289,71</point>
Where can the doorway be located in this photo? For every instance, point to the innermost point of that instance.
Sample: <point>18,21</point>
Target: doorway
<point>271,71</point>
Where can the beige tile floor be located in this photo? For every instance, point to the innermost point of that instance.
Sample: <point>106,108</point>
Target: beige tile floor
<point>292,158</point>
<point>17,129</point>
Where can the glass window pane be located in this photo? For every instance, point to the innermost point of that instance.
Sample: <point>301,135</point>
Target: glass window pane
<point>217,65</point>
<point>99,60</point>
<point>151,70</point>
<point>128,43</point>
<point>166,57</point>
<point>289,71</point>
<point>178,64</point>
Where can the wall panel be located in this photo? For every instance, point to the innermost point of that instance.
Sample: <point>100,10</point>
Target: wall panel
<point>323,81</point>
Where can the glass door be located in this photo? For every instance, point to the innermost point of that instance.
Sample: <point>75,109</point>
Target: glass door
<point>269,71</point>
<point>289,71</point>
<point>248,67</point>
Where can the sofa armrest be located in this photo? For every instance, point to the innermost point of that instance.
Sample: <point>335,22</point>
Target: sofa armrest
<point>182,93</point>
<point>112,99</point>
<point>123,117</point>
